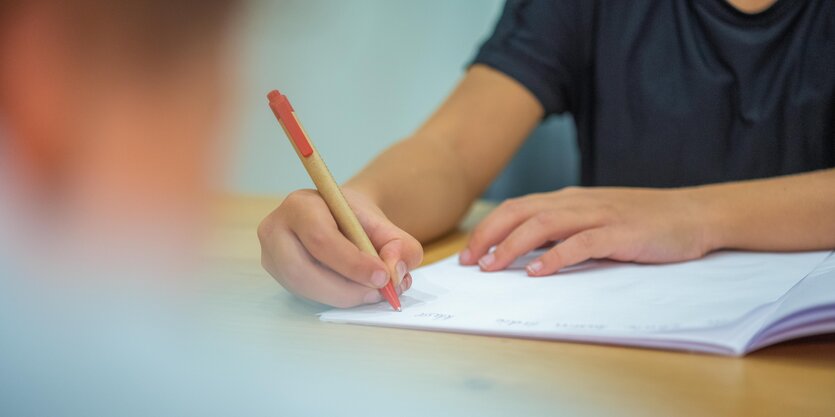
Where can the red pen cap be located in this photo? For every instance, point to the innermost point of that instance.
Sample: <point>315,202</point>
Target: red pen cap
<point>285,114</point>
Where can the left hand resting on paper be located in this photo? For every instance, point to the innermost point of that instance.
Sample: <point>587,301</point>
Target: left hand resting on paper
<point>624,224</point>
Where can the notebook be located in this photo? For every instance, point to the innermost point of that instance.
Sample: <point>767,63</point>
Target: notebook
<point>728,303</point>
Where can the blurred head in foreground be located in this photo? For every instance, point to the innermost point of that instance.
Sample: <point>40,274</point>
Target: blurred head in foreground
<point>109,121</point>
<point>109,115</point>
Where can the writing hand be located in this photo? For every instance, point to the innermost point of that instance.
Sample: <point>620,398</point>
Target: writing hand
<point>303,249</point>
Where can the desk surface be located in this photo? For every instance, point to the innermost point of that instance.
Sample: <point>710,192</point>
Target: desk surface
<point>479,375</point>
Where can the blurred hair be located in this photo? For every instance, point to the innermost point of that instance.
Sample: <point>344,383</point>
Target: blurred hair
<point>144,32</point>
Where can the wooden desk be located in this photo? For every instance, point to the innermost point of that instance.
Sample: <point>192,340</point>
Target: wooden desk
<point>430,373</point>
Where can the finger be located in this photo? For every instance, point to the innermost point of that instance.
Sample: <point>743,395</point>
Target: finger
<point>497,225</point>
<point>322,239</point>
<point>400,251</point>
<point>392,241</point>
<point>407,282</point>
<point>596,243</point>
<point>391,257</point>
<point>401,255</point>
<point>305,278</point>
<point>325,286</point>
<point>312,223</point>
<point>543,227</point>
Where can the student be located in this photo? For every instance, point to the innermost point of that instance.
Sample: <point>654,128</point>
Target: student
<point>702,125</point>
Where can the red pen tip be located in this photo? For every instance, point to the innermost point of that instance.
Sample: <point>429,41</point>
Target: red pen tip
<point>390,295</point>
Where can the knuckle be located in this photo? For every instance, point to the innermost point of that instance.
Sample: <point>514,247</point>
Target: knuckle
<point>501,249</point>
<point>292,199</point>
<point>586,240</point>
<point>510,247</point>
<point>552,257</point>
<point>544,218</point>
<point>504,252</point>
<point>298,200</point>
<point>264,230</point>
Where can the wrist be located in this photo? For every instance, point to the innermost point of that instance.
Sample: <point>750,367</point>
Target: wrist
<point>711,214</point>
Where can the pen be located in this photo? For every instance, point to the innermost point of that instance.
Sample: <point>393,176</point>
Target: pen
<point>325,184</point>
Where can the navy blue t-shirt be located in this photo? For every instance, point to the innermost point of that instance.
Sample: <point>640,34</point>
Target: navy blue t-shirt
<point>672,93</point>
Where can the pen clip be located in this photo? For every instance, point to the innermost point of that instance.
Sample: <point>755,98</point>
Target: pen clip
<point>286,116</point>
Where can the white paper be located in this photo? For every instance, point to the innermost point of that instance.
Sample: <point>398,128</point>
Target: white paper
<point>696,305</point>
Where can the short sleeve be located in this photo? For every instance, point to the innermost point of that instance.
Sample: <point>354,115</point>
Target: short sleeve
<point>535,42</point>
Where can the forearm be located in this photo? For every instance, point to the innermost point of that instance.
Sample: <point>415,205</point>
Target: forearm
<point>789,213</point>
<point>426,183</point>
<point>419,187</point>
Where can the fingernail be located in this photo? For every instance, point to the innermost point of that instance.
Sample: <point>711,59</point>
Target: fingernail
<point>465,256</point>
<point>379,279</point>
<point>534,267</point>
<point>400,268</point>
<point>486,260</point>
<point>406,283</point>
<point>372,297</point>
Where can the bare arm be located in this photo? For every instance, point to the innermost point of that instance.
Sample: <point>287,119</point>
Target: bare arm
<point>426,183</point>
<point>789,213</point>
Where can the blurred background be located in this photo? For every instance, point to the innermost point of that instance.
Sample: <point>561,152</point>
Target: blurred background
<point>363,74</point>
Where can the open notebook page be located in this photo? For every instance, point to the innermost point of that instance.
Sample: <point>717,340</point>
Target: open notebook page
<point>681,306</point>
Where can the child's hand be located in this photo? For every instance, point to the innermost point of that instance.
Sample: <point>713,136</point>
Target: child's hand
<point>624,224</point>
<point>302,247</point>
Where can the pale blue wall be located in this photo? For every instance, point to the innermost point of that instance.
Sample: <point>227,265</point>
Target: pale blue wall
<point>361,74</point>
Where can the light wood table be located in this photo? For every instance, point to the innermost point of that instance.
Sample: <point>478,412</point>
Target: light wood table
<point>430,373</point>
